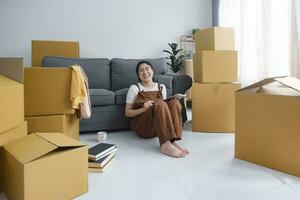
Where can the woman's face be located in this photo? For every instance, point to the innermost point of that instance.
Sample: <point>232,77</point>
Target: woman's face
<point>145,73</point>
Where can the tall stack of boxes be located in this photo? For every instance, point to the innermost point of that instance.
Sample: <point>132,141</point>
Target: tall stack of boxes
<point>47,91</point>
<point>37,166</point>
<point>12,124</point>
<point>215,74</point>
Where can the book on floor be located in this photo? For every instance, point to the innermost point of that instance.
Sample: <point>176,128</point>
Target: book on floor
<point>102,161</point>
<point>103,155</point>
<point>104,168</point>
<point>100,149</point>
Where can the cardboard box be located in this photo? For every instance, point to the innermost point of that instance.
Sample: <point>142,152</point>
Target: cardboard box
<point>45,166</point>
<point>213,107</point>
<point>188,70</point>
<point>8,136</point>
<point>47,91</point>
<point>65,124</point>
<point>215,38</point>
<point>12,68</point>
<point>12,103</point>
<point>40,49</point>
<point>215,66</point>
<point>188,67</point>
<point>12,125</point>
<point>267,124</point>
<point>14,133</point>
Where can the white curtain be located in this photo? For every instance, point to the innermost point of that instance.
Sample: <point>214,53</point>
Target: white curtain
<point>295,33</point>
<point>263,33</point>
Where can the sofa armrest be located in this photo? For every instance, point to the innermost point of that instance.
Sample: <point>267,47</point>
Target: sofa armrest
<point>181,82</point>
<point>167,81</point>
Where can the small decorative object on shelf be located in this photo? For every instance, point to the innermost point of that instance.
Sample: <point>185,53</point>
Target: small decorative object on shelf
<point>187,43</point>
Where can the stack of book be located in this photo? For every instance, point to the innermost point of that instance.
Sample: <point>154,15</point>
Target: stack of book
<point>101,157</point>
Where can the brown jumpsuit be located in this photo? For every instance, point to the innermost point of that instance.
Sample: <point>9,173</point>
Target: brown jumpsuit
<point>163,119</point>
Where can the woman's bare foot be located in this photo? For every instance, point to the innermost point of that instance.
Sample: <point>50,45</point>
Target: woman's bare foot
<point>169,149</point>
<point>184,150</point>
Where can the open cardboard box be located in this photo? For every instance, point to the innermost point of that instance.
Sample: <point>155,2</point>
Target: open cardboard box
<point>45,166</point>
<point>267,124</point>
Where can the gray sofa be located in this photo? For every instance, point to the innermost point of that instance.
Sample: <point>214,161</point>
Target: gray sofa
<point>109,81</point>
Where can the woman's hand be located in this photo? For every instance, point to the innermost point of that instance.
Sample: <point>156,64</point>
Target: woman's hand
<point>147,105</point>
<point>130,112</point>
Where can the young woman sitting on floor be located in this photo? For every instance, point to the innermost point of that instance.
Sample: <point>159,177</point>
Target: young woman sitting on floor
<point>152,115</point>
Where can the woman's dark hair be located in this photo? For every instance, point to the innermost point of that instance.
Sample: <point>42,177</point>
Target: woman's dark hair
<point>139,64</point>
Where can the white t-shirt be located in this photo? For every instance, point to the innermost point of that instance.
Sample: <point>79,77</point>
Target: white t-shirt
<point>133,91</point>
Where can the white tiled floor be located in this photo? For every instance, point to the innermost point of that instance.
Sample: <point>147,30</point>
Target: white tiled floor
<point>210,172</point>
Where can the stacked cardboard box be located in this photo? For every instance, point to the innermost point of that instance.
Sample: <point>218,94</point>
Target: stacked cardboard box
<point>42,48</point>
<point>47,101</point>
<point>215,74</point>
<point>12,124</point>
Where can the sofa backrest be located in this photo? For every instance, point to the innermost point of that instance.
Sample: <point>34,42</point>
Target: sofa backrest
<point>97,69</point>
<point>123,72</point>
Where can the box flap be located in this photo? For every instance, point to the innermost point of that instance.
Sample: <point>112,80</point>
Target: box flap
<point>12,68</point>
<point>60,140</point>
<point>29,148</point>
<point>261,83</point>
<point>290,82</point>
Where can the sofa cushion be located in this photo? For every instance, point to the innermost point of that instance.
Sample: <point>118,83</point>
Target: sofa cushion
<point>121,96</point>
<point>101,97</point>
<point>123,71</point>
<point>97,69</point>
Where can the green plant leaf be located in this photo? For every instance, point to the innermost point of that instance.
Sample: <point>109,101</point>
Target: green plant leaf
<point>166,51</point>
<point>181,57</point>
<point>176,61</point>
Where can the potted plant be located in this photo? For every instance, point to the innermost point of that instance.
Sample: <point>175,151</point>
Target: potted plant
<point>174,56</point>
<point>194,30</point>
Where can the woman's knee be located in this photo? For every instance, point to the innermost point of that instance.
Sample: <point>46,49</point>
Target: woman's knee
<point>160,103</point>
<point>174,103</point>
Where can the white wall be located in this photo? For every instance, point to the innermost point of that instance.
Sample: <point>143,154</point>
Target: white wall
<point>104,28</point>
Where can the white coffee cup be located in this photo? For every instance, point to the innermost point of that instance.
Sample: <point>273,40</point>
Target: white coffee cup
<point>101,136</point>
